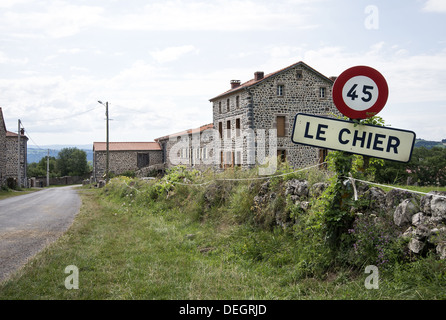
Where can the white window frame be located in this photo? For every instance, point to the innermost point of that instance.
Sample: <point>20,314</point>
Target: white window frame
<point>280,90</point>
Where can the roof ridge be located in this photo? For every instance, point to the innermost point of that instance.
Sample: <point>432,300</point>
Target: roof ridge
<point>252,82</point>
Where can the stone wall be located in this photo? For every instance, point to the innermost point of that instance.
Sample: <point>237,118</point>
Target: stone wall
<point>40,182</point>
<point>122,161</point>
<point>419,219</point>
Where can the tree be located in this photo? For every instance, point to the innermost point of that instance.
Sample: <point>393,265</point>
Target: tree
<point>429,166</point>
<point>38,169</point>
<point>426,167</point>
<point>72,162</point>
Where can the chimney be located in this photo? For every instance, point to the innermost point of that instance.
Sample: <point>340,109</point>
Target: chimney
<point>333,78</point>
<point>235,84</point>
<point>258,75</point>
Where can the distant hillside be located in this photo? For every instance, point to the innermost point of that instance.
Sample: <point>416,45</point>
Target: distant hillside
<point>428,144</point>
<point>36,154</point>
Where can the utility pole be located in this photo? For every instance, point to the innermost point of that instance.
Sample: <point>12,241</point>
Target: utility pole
<point>48,169</point>
<point>107,133</point>
<point>19,183</point>
<point>107,161</point>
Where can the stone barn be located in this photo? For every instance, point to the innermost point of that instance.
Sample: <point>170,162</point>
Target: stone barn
<point>124,156</point>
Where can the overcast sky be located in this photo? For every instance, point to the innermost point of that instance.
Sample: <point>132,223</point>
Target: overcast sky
<point>158,63</point>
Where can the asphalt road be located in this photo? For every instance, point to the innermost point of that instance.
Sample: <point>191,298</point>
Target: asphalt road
<point>30,222</point>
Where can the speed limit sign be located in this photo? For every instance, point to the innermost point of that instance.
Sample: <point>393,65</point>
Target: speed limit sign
<point>360,92</point>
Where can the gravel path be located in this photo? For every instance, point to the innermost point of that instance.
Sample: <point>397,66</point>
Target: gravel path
<point>30,222</point>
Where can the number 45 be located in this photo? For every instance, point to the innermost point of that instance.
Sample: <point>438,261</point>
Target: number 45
<point>365,89</point>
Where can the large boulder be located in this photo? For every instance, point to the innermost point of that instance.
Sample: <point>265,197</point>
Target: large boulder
<point>416,245</point>
<point>395,196</point>
<point>296,187</point>
<point>434,204</point>
<point>404,212</point>
<point>317,189</point>
<point>438,208</point>
<point>376,199</point>
<point>441,250</point>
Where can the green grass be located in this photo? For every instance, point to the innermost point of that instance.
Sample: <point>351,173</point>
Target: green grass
<point>13,193</point>
<point>127,246</point>
<point>424,189</point>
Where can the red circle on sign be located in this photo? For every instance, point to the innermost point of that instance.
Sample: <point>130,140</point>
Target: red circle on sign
<point>342,97</point>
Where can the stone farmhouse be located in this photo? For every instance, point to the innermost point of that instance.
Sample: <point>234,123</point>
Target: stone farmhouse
<point>252,122</point>
<point>9,155</point>
<point>250,110</point>
<point>124,156</point>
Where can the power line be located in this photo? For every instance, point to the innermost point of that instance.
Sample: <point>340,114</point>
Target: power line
<point>67,117</point>
<point>29,136</point>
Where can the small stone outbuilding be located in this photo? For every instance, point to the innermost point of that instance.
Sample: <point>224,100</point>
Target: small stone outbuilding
<point>124,156</point>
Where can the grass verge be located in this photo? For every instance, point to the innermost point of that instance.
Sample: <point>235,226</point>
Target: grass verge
<point>4,194</point>
<point>130,249</point>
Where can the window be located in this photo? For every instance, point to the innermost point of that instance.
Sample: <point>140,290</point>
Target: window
<point>323,153</point>
<point>280,90</point>
<point>142,160</point>
<point>237,102</point>
<point>280,122</point>
<point>229,159</point>
<point>299,74</point>
<point>281,155</point>
<point>322,92</point>
<point>220,129</point>
<point>237,127</point>
<point>227,105</point>
<point>219,107</point>
<point>228,129</point>
<point>164,148</point>
<point>238,158</point>
<point>221,159</point>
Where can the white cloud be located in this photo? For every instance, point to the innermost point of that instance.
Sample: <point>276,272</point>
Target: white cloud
<point>11,3</point>
<point>435,6</point>
<point>54,19</point>
<point>5,59</point>
<point>172,53</point>
<point>223,15</point>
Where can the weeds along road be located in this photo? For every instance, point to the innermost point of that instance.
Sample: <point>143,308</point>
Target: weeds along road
<point>29,222</point>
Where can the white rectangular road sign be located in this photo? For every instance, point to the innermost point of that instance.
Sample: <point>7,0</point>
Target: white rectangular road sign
<point>368,140</point>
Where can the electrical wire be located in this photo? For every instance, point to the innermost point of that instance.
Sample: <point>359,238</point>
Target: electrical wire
<point>68,117</point>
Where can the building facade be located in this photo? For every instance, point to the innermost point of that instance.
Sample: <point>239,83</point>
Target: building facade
<point>2,149</point>
<point>255,119</point>
<point>11,172</point>
<point>193,148</point>
<point>124,156</point>
<point>12,157</point>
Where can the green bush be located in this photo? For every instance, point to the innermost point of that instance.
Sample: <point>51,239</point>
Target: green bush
<point>374,241</point>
